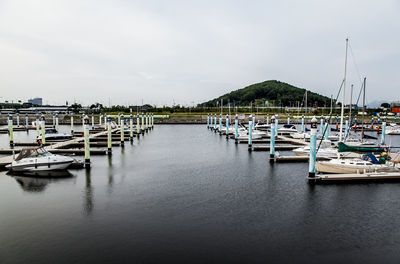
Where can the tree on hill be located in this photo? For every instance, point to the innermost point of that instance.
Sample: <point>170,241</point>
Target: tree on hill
<point>275,92</point>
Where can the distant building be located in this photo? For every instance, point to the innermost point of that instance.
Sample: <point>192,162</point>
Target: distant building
<point>36,101</point>
<point>395,107</point>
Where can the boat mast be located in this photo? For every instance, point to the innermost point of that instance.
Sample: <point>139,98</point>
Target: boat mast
<point>343,93</point>
<point>306,102</point>
<point>362,121</point>
<point>351,104</point>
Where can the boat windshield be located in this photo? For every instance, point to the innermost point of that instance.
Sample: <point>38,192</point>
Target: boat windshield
<point>42,152</point>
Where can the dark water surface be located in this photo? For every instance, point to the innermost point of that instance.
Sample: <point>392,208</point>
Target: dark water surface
<point>184,194</point>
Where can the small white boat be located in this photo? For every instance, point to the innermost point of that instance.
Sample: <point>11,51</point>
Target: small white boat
<point>39,159</point>
<point>263,127</point>
<point>245,136</point>
<point>288,129</point>
<point>392,130</point>
<point>52,134</point>
<point>300,135</point>
<point>346,166</point>
<point>325,150</point>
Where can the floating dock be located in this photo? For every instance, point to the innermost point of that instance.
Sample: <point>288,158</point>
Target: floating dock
<point>374,176</point>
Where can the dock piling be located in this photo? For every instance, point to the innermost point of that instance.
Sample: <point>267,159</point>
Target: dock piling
<point>236,128</point>
<point>272,141</point>
<point>227,126</point>
<point>10,130</point>
<point>142,124</point>
<point>43,130</point>
<point>288,119</point>
<point>267,119</point>
<point>109,136</point>
<point>137,126</point>
<point>54,121</point>
<point>72,123</point>
<point>122,127</point>
<point>208,121</point>
<point>57,128</point>
<point>87,141</point>
<point>276,125</point>
<point>383,135</point>
<point>17,119</point>
<point>92,121</point>
<point>250,142</point>
<point>27,122</point>
<point>220,124</point>
<point>37,124</point>
<point>131,128</point>
<point>313,149</point>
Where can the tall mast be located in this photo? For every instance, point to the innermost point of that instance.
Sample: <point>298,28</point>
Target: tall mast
<point>343,93</point>
<point>362,122</point>
<point>351,104</point>
<point>306,102</point>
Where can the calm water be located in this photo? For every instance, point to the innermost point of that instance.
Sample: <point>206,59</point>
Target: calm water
<point>184,194</point>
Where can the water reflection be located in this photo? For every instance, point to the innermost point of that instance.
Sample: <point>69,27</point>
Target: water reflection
<point>88,194</point>
<point>110,174</point>
<point>29,181</point>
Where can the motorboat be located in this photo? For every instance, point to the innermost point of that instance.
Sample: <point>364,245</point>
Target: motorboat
<point>368,163</point>
<point>39,159</point>
<point>393,130</point>
<point>300,135</point>
<point>245,136</point>
<point>263,127</point>
<point>288,129</point>
<point>51,134</point>
<point>325,150</point>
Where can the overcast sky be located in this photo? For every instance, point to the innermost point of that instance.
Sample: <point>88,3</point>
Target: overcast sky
<point>191,51</point>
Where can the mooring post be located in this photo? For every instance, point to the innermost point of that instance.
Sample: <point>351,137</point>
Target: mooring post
<point>142,124</point>
<point>327,128</point>
<point>346,131</point>
<point>220,124</point>
<point>37,124</point>
<point>119,119</point>
<point>313,149</point>
<point>100,118</point>
<point>83,123</point>
<point>147,122</point>
<point>321,127</point>
<point>288,119</point>
<point>137,126</point>
<point>208,121</point>
<point>250,140</point>
<point>72,124</point>
<point>236,128</point>
<point>122,129</point>
<point>92,121</point>
<point>227,126</point>
<point>86,141</point>
<point>383,135</point>
<point>57,122</point>
<point>152,120</point>
<point>267,119</point>
<point>276,125</point>
<point>10,130</point>
<point>43,130</point>
<point>109,136</point>
<point>215,123</point>
<point>302,124</point>
<point>254,121</point>
<point>131,128</point>
<point>105,122</point>
<point>27,122</point>
<point>272,141</point>
<point>17,119</point>
<point>54,120</point>
<point>372,122</point>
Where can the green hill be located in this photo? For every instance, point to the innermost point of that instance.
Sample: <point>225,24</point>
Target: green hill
<point>275,92</point>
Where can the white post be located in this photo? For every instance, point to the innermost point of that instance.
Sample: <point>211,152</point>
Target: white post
<point>313,149</point>
<point>57,122</point>
<point>86,141</point>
